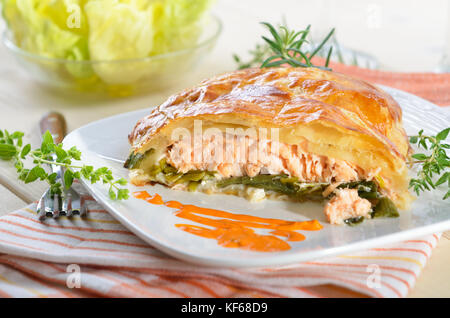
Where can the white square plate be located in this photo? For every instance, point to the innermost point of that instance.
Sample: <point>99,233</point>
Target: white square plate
<point>105,143</point>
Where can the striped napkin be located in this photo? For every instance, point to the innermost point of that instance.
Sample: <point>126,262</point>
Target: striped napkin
<point>97,256</point>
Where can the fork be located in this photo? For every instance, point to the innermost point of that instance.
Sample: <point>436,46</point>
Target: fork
<point>70,202</point>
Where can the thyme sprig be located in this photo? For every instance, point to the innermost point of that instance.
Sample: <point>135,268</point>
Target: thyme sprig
<point>12,149</point>
<point>285,47</point>
<point>434,165</point>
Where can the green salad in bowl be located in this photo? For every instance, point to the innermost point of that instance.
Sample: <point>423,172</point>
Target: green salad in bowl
<point>120,47</point>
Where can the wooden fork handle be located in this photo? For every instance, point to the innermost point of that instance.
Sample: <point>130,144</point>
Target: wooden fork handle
<point>55,123</point>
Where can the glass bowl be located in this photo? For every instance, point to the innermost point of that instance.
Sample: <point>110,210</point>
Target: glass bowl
<point>119,78</point>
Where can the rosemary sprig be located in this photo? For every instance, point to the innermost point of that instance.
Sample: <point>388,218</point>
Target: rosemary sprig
<point>285,47</point>
<point>437,163</point>
<point>12,149</point>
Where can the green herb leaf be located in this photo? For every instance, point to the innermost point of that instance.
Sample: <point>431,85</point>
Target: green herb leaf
<point>52,178</point>
<point>86,171</point>
<point>443,134</point>
<point>122,182</point>
<point>11,149</point>
<point>17,135</point>
<point>419,156</point>
<point>447,195</point>
<point>434,165</point>
<point>75,153</point>
<point>61,154</point>
<point>47,145</point>
<point>25,151</point>
<point>123,194</point>
<point>68,178</point>
<point>444,178</point>
<point>36,173</point>
<point>112,194</point>
<point>7,152</point>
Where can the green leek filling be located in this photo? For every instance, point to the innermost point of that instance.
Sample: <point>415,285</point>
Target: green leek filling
<point>191,178</point>
<point>283,184</point>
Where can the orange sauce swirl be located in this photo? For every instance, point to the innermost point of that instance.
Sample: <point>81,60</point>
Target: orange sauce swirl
<point>235,230</point>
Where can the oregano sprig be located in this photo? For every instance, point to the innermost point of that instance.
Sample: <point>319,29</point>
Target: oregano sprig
<point>12,149</point>
<point>434,165</point>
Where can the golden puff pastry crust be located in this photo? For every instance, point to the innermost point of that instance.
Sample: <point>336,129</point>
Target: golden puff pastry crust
<point>330,113</point>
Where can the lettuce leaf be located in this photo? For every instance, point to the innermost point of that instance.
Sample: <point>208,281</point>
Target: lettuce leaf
<point>36,28</point>
<point>118,31</point>
<point>104,30</point>
<point>176,23</point>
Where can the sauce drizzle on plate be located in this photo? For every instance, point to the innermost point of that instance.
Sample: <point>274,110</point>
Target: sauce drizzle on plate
<point>235,230</point>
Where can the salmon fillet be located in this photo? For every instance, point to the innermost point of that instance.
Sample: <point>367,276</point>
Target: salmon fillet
<point>346,205</point>
<point>237,155</point>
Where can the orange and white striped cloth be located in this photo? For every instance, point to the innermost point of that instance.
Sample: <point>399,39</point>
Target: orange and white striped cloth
<point>110,261</point>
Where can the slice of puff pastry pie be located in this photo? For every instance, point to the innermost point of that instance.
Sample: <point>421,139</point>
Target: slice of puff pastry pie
<point>289,133</point>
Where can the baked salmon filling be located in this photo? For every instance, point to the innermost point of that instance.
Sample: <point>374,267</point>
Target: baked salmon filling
<point>237,155</point>
<point>263,168</point>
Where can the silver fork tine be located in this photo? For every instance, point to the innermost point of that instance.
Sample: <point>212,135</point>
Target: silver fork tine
<point>76,203</point>
<point>56,205</point>
<point>48,204</point>
<point>67,205</point>
<point>83,208</point>
<point>41,206</point>
<point>56,209</point>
